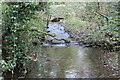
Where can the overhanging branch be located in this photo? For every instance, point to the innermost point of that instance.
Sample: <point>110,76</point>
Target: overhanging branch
<point>37,31</point>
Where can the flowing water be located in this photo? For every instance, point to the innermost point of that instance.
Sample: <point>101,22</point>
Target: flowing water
<point>57,29</point>
<point>66,61</point>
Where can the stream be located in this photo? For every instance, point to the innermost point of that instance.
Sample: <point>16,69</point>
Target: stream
<point>66,60</point>
<point>57,29</point>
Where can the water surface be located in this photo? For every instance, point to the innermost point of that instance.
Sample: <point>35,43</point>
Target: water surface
<point>68,62</point>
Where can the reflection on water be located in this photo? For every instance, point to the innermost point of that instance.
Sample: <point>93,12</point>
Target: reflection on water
<point>68,62</point>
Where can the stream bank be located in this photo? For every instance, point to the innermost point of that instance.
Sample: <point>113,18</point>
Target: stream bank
<point>82,37</point>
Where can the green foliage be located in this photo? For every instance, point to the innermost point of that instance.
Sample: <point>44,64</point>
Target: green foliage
<point>16,16</point>
<point>97,20</point>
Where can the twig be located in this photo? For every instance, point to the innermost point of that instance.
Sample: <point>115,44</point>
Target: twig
<point>103,16</point>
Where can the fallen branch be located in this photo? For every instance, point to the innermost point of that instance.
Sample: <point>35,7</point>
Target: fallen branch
<point>37,31</point>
